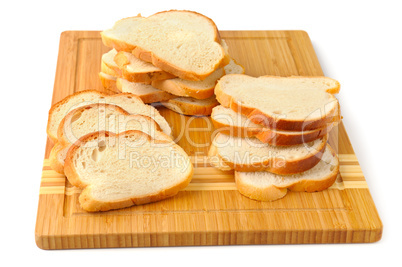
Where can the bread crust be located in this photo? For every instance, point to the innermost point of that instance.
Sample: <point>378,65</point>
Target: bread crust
<point>279,165</point>
<point>273,192</point>
<point>61,130</point>
<point>151,97</point>
<point>180,89</point>
<point>272,137</point>
<point>148,56</point>
<point>258,117</point>
<point>269,193</point>
<point>62,102</point>
<point>187,108</point>
<point>53,161</point>
<point>141,77</point>
<point>109,84</point>
<point>86,199</point>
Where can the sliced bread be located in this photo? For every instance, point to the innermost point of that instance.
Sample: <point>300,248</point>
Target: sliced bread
<point>198,89</point>
<point>251,155</point>
<point>183,43</point>
<point>101,117</point>
<point>281,103</point>
<point>134,69</point>
<point>146,92</point>
<point>98,117</point>
<point>109,82</point>
<point>129,102</point>
<point>118,171</point>
<point>267,186</point>
<point>191,106</point>
<point>231,123</point>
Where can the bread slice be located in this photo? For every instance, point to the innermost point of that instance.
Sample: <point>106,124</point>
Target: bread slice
<point>101,117</point>
<point>266,186</point>
<point>118,171</point>
<point>137,70</point>
<point>251,155</point>
<point>197,89</point>
<point>231,123</point>
<point>281,103</point>
<point>234,68</point>
<point>191,106</point>
<point>129,102</point>
<point>146,92</point>
<point>107,70</point>
<point>109,82</point>
<point>183,43</point>
<point>98,117</point>
<point>108,60</point>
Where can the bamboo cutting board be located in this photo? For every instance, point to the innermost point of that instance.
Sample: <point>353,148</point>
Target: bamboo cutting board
<point>210,211</point>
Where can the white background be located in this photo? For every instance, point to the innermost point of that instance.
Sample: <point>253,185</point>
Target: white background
<point>357,43</point>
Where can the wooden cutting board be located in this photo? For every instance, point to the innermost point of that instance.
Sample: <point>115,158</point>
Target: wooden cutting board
<point>210,211</point>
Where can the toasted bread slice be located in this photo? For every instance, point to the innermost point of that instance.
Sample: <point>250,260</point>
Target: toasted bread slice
<point>251,155</point>
<point>281,103</point>
<point>266,186</point>
<point>118,171</point>
<point>183,43</point>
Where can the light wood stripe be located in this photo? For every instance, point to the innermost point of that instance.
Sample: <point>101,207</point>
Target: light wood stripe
<point>207,177</point>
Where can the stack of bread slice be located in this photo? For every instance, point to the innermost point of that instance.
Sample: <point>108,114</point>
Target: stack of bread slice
<point>173,58</point>
<point>104,144</point>
<point>272,131</point>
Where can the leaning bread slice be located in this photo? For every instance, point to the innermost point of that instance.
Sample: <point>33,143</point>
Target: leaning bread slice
<point>118,171</point>
<point>191,106</point>
<point>98,117</point>
<point>107,61</point>
<point>136,70</point>
<point>129,102</point>
<point>184,43</point>
<point>266,186</point>
<point>281,103</point>
<point>250,154</point>
<point>229,122</point>
<point>146,92</point>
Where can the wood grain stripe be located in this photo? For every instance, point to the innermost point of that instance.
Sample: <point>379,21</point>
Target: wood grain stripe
<point>209,178</point>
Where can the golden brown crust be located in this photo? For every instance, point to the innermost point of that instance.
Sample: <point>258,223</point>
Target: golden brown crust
<point>314,185</point>
<point>272,137</point>
<point>109,84</point>
<point>142,77</point>
<point>179,89</point>
<point>269,193</point>
<point>187,108</point>
<point>54,162</point>
<point>148,56</point>
<point>90,204</point>
<point>280,165</point>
